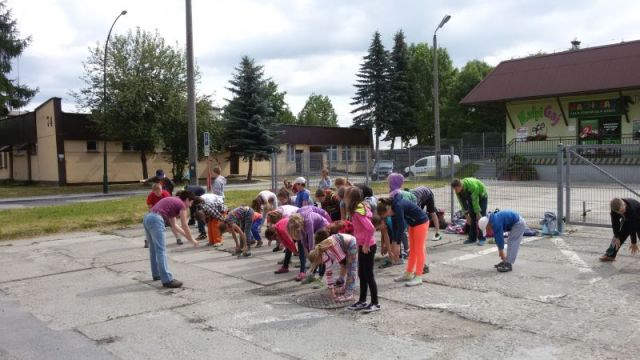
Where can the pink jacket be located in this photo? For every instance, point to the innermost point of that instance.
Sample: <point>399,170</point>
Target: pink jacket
<point>363,229</point>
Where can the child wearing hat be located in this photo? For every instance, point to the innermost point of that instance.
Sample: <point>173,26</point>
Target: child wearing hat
<point>302,194</point>
<point>499,222</point>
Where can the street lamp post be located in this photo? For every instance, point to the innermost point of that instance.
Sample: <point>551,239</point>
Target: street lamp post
<point>105,177</point>
<point>191,101</point>
<point>436,95</point>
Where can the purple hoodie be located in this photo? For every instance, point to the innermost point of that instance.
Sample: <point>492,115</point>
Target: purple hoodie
<point>315,209</point>
<point>395,183</point>
<point>312,223</point>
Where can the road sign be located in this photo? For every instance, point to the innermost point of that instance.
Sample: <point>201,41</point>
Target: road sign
<point>206,143</point>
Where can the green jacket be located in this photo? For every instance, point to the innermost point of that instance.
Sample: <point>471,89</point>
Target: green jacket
<point>472,189</point>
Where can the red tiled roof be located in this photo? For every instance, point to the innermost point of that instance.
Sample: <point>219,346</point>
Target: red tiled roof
<point>597,69</point>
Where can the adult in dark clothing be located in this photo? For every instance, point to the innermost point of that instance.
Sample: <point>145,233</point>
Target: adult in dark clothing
<point>197,191</point>
<point>625,222</point>
<point>166,183</point>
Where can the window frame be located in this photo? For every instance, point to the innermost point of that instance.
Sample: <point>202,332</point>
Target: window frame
<point>89,150</point>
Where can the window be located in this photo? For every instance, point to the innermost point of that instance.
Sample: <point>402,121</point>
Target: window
<point>333,153</point>
<point>361,154</point>
<point>605,130</point>
<point>92,146</point>
<point>346,153</point>
<point>127,147</point>
<point>421,162</point>
<point>291,152</point>
<point>3,160</point>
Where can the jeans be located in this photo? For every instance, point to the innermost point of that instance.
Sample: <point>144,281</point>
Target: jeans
<point>154,230</point>
<point>365,272</point>
<point>255,229</point>
<point>624,233</point>
<point>474,234</point>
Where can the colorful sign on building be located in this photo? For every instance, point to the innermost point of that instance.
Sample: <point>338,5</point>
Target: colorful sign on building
<point>594,107</point>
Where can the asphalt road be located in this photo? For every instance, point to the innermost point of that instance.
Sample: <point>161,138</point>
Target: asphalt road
<point>89,295</point>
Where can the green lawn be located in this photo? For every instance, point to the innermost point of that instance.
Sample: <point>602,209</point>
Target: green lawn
<point>96,216</point>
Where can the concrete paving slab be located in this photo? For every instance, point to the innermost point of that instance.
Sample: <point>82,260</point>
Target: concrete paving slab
<point>83,297</point>
<point>169,335</point>
<point>31,263</point>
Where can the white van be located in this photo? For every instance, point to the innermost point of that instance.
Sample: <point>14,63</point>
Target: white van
<point>427,165</point>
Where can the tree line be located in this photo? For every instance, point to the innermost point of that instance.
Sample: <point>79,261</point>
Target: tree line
<point>394,94</point>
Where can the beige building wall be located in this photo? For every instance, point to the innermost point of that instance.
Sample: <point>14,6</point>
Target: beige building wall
<point>5,173</point>
<point>47,159</point>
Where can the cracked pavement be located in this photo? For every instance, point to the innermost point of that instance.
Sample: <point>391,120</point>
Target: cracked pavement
<point>89,295</point>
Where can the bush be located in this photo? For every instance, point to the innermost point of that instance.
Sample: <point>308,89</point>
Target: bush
<point>519,168</point>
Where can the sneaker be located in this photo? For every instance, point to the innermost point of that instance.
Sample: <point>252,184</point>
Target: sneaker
<point>504,267</point>
<point>385,264</point>
<point>282,270</point>
<point>482,242</point>
<point>360,305</point>
<point>318,284</point>
<point>173,284</point>
<point>417,280</point>
<point>405,277</point>
<point>301,276</point>
<point>425,269</point>
<point>217,244</point>
<point>498,264</point>
<point>438,237</point>
<point>179,241</point>
<point>156,278</point>
<point>244,255</point>
<point>606,258</point>
<point>309,279</point>
<point>275,249</point>
<point>371,308</point>
<point>202,236</point>
<point>469,241</point>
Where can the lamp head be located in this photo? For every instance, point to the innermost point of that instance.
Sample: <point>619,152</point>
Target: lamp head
<point>124,12</point>
<point>444,21</point>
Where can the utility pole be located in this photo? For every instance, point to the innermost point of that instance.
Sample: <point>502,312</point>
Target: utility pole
<point>191,102</point>
<point>436,97</point>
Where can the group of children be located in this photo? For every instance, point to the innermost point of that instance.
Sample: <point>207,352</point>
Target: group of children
<point>337,229</point>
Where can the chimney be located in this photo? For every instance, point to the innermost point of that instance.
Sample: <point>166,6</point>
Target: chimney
<point>575,44</point>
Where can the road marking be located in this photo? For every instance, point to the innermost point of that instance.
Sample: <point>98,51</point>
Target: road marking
<point>574,259</point>
<point>491,250</point>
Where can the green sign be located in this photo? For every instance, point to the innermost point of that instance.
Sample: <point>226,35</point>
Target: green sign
<point>594,107</point>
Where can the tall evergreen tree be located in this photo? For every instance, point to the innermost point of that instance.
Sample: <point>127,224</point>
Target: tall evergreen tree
<point>399,109</point>
<point>318,110</point>
<point>281,114</point>
<point>249,125</point>
<point>12,94</point>
<point>372,92</point>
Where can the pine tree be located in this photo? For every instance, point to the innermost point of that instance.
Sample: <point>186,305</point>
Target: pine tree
<point>12,95</point>
<point>372,90</point>
<point>399,108</point>
<point>249,132</point>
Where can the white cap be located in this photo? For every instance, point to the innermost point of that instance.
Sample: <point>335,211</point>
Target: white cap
<point>300,180</point>
<point>482,224</point>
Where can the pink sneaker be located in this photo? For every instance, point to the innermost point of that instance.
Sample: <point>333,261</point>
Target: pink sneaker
<point>301,276</point>
<point>282,270</point>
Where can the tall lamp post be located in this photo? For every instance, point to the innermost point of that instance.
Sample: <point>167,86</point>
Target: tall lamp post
<point>191,101</point>
<point>105,177</point>
<point>436,95</point>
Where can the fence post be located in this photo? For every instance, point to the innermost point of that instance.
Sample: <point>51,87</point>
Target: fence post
<point>347,154</point>
<point>483,145</point>
<point>274,172</point>
<point>366,178</point>
<point>560,158</point>
<point>453,174</point>
<point>567,180</point>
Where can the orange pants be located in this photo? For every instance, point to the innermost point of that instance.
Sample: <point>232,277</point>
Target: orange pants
<point>417,251</point>
<point>213,232</point>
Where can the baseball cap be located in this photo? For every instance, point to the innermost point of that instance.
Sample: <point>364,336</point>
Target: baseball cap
<point>300,180</point>
<point>482,224</point>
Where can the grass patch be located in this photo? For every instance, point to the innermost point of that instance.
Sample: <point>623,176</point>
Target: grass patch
<point>95,216</point>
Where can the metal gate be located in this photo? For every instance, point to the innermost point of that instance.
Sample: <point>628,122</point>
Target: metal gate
<point>593,175</point>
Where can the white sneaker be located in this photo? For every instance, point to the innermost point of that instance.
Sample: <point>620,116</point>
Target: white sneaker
<point>405,277</point>
<point>417,280</point>
<point>437,237</point>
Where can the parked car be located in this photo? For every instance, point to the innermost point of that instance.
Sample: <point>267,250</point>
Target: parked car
<point>382,169</point>
<point>427,165</point>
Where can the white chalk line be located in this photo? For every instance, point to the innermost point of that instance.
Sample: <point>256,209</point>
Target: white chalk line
<point>574,259</point>
<point>484,252</point>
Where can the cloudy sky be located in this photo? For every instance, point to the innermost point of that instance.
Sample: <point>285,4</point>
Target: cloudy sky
<point>307,45</point>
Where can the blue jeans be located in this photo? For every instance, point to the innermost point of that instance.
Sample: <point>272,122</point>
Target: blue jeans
<point>255,229</point>
<point>154,230</point>
<point>474,234</point>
